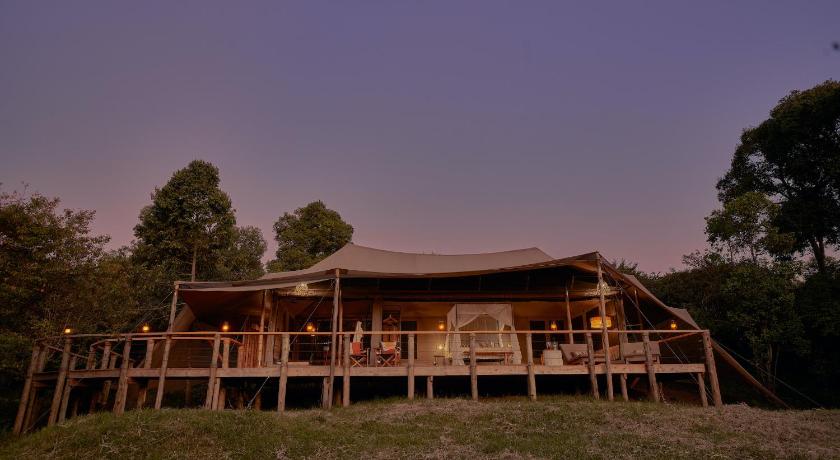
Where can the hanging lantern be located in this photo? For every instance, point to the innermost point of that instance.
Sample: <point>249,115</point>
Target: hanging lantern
<point>310,327</point>
<point>553,326</point>
<point>68,331</point>
<point>673,325</point>
<point>595,322</point>
<point>225,326</point>
<point>146,328</point>
<point>441,325</point>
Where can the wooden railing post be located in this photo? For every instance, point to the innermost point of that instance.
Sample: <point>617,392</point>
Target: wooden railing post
<point>60,382</point>
<point>410,366</point>
<point>473,369</point>
<point>701,388</point>
<point>532,381</point>
<point>284,374</point>
<point>590,364</point>
<point>90,363</point>
<point>164,364</point>
<point>150,351</point>
<point>27,389</point>
<point>345,378</point>
<point>711,369</point>
<point>221,391</point>
<point>212,388</point>
<point>649,366</point>
<point>122,385</point>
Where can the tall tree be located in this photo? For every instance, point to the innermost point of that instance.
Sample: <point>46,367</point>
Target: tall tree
<point>242,260</point>
<point>307,236</point>
<point>745,226</point>
<point>189,221</point>
<point>794,157</point>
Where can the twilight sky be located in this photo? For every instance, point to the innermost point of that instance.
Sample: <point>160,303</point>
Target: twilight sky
<point>442,126</point>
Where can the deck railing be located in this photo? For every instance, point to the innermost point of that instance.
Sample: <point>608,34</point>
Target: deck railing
<point>215,356</point>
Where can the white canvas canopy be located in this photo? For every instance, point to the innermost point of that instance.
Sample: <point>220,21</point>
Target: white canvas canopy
<point>464,317</point>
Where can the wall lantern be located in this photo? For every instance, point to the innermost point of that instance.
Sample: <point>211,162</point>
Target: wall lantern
<point>441,325</point>
<point>146,328</point>
<point>310,327</point>
<point>595,322</point>
<point>440,347</point>
<point>225,326</point>
<point>68,331</point>
<point>553,326</point>
<point>673,325</point>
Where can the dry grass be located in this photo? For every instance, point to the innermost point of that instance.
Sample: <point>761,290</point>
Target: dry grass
<point>453,428</point>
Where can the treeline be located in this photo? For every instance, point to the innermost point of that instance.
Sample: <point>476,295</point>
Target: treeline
<point>56,274</point>
<point>767,286</point>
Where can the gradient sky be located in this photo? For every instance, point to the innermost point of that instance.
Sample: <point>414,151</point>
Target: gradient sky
<point>430,126</point>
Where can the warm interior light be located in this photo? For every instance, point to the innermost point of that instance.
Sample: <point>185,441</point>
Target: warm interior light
<point>553,326</point>
<point>225,326</point>
<point>673,324</point>
<point>441,325</point>
<point>595,322</point>
<point>146,328</point>
<point>68,331</point>
<point>440,346</point>
<point>310,327</point>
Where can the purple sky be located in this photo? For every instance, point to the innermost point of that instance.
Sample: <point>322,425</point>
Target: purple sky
<point>431,126</point>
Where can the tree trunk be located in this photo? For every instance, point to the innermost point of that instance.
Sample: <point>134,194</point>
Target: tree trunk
<point>194,257</point>
<point>818,248</point>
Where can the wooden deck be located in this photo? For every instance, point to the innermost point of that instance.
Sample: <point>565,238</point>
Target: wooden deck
<point>102,364</point>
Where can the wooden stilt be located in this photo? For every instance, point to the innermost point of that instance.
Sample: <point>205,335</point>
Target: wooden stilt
<point>167,346</point>
<point>284,374</point>
<point>711,369</point>
<point>333,338</point>
<point>173,306</point>
<point>106,387</point>
<point>430,387</point>
<point>532,381</point>
<point>325,393</point>
<point>27,389</point>
<point>60,382</point>
<point>623,383</point>
<point>220,389</point>
<point>65,398</point>
<point>605,336</point>
<point>410,366</point>
<point>142,394</point>
<point>590,364</point>
<point>209,400</point>
<point>345,380</point>
<point>701,388</point>
<point>30,406</point>
<point>569,317</point>
<point>473,369</point>
<point>122,384</point>
<point>649,366</point>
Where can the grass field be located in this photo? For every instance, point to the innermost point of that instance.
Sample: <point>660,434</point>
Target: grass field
<point>446,428</point>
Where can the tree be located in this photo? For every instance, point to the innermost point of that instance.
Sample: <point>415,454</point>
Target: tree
<point>307,236</point>
<point>242,260</point>
<point>189,221</point>
<point>794,158</point>
<point>745,226</point>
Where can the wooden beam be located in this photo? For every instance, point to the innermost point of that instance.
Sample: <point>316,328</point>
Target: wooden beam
<point>333,338</point>
<point>122,383</point>
<point>212,389</point>
<point>345,378</point>
<point>65,398</point>
<point>651,372</point>
<point>220,389</point>
<point>60,382</point>
<point>590,364</point>
<point>711,370</point>
<point>605,337</point>
<point>167,345</point>
<point>410,366</point>
<point>532,381</point>
<point>27,389</point>
<point>173,306</point>
<point>261,338</point>
<point>473,369</point>
<point>701,388</point>
<point>569,317</point>
<point>284,374</point>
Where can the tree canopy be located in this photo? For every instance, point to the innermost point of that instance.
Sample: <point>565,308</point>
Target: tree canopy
<point>794,158</point>
<point>307,236</point>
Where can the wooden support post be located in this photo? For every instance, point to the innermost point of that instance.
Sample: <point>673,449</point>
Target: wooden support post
<point>325,392</point>
<point>532,380</point>
<point>142,393</point>
<point>430,387</point>
<point>284,374</point>
<point>605,336</point>
<point>122,383</point>
<point>623,382</point>
<point>27,389</point>
<point>651,372</point>
<point>345,380</point>
<point>65,398</point>
<point>164,363</point>
<point>590,364</point>
<point>60,381</point>
<point>701,388</point>
<point>212,394</point>
<point>569,316</point>
<point>90,363</point>
<point>261,337</point>
<point>333,338</point>
<point>150,351</point>
<point>711,369</point>
<point>104,364</point>
<point>173,306</point>
<point>220,389</point>
<point>106,355</point>
<point>410,366</point>
<point>30,406</point>
<point>473,369</point>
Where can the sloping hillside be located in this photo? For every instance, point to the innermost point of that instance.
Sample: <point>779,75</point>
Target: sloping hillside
<point>452,428</point>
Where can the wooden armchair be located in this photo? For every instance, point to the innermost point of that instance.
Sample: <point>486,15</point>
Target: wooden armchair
<point>388,354</point>
<point>358,355</point>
